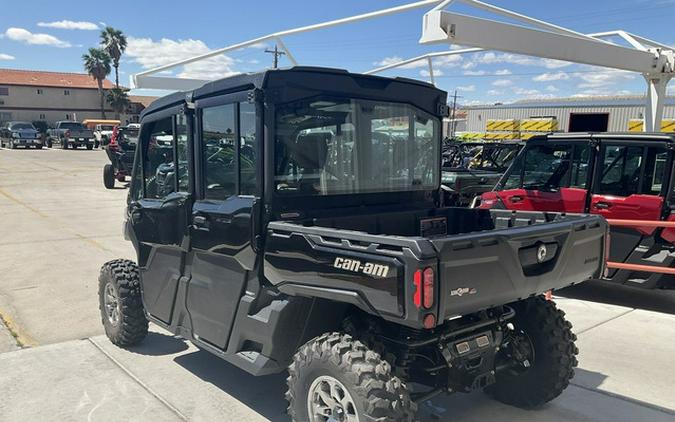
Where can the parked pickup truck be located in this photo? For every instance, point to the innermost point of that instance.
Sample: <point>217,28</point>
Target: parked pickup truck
<point>70,134</point>
<point>20,134</point>
<point>281,229</point>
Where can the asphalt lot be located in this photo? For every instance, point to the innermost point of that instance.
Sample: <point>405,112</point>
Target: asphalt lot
<point>58,225</point>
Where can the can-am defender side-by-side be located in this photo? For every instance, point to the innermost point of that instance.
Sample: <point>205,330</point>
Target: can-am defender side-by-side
<point>295,222</point>
<point>620,176</point>
<point>472,168</point>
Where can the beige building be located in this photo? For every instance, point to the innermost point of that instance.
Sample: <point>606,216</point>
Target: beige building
<point>49,96</point>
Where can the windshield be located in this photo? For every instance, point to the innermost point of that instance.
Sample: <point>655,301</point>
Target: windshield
<point>549,167</point>
<point>338,146</point>
<point>20,126</point>
<point>71,125</point>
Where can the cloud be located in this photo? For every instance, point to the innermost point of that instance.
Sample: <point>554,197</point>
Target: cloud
<point>551,88</point>
<point>396,59</point>
<point>469,65</point>
<point>259,45</point>
<point>603,78</point>
<point>503,72</point>
<point>548,77</point>
<point>502,82</point>
<point>524,91</point>
<point>27,37</point>
<point>425,72</point>
<point>493,58</point>
<point>495,92</point>
<point>6,57</point>
<point>66,24</point>
<point>149,54</point>
<point>474,72</point>
<point>467,88</point>
<point>448,61</point>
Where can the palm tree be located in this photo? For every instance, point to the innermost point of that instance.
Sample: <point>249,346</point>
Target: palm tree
<point>114,43</point>
<point>118,100</point>
<point>97,64</point>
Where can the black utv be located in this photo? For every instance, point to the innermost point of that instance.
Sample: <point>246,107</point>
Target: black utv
<point>298,226</point>
<point>121,150</point>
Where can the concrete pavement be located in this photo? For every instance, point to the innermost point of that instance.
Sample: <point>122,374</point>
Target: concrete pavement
<point>58,225</point>
<point>621,377</point>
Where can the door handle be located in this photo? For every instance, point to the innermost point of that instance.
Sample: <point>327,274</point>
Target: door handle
<point>603,205</point>
<point>516,198</point>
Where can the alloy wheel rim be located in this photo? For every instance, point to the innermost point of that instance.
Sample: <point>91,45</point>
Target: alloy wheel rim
<point>112,304</point>
<point>329,401</point>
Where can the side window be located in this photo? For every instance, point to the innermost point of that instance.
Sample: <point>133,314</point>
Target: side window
<point>547,167</point>
<point>158,165</point>
<point>247,148</point>
<point>182,152</point>
<point>621,167</point>
<point>655,169</point>
<point>218,151</point>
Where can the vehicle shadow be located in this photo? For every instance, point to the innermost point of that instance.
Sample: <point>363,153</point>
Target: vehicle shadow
<point>159,344</point>
<point>264,395</point>
<point>614,294</point>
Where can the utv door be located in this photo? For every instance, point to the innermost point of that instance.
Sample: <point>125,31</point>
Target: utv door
<point>222,259</point>
<point>630,185</point>
<point>159,214</point>
<point>548,177</point>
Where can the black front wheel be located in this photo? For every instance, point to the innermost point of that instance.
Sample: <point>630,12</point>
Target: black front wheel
<point>539,346</point>
<point>337,378</point>
<point>90,146</point>
<point>122,313</point>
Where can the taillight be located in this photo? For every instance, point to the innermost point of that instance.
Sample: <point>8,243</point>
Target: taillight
<point>424,288</point>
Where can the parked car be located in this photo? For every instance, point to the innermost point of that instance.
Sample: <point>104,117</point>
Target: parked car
<point>623,176</point>
<point>312,246</point>
<point>20,134</point>
<point>70,134</point>
<point>120,149</point>
<point>472,168</point>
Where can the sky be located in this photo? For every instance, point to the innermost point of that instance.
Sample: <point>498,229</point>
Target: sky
<point>48,35</point>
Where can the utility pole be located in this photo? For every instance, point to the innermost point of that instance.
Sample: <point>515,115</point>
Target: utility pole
<point>276,53</point>
<point>453,123</point>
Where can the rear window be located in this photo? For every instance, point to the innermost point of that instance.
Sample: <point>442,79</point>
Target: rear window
<point>20,126</point>
<point>71,125</point>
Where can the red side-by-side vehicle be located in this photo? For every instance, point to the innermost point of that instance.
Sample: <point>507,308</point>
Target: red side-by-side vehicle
<point>621,176</point>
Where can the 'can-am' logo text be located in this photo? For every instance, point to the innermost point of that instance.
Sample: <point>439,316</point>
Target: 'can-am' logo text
<point>376,270</point>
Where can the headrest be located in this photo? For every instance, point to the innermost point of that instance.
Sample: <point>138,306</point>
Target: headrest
<point>310,150</point>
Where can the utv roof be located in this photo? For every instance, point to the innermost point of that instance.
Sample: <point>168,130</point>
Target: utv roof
<point>633,136</point>
<point>245,81</point>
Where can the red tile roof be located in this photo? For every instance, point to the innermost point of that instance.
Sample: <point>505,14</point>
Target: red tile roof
<point>46,79</point>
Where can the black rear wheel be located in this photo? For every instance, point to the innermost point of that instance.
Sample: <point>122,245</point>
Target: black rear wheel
<point>120,303</point>
<point>337,378</point>
<point>108,176</point>
<point>90,146</point>
<point>540,344</point>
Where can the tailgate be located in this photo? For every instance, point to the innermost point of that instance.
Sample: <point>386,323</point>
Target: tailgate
<point>523,256</point>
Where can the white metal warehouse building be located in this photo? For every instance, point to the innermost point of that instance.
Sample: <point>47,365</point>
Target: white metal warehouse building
<point>573,114</point>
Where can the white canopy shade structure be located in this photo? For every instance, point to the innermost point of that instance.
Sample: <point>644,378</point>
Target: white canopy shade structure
<point>532,37</point>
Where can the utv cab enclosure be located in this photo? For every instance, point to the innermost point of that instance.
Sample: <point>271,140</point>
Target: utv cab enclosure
<point>293,220</point>
<point>620,176</point>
